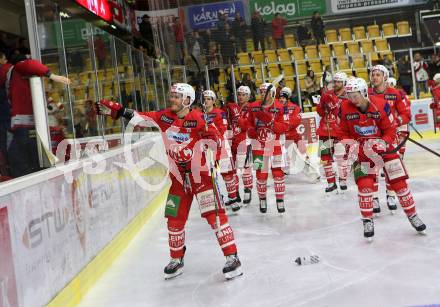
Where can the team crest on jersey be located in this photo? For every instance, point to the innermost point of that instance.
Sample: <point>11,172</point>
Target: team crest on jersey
<point>265,135</point>
<point>365,131</point>
<point>190,124</point>
<point>177,136</point>
<point>166,119</point>
<point>352,116</point>
<point>180,153</point>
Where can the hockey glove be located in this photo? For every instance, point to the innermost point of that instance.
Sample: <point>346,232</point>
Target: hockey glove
<point>109,108</point>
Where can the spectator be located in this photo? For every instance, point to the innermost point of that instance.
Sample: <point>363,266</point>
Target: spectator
<point>318,28</point>
<point>227,48</point>
<point>421,71</point>
<point>5,122</point>
<point>207,38</point>
<point>22,46</point>
<point>278,24</point>
<point>404,69</point>
<point>180,40</point>
<point>222,21</point>
<point>213,60</point>
<point>388,63</point>
<point>258,26</point>
<point>147,34</point>
<point>195,44</point>
<point>303,34</point>
<point>326,82</point>
<point>100,51</point>
<point>239,32</point>
<point>22,152</point>
<point>434,66</point>
<point>312,85</point>
<point>280,86</point>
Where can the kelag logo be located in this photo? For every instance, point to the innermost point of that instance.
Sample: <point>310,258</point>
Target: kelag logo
<point>287,8</point>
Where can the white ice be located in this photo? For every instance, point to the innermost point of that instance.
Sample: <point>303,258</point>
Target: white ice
<point>399,268</point>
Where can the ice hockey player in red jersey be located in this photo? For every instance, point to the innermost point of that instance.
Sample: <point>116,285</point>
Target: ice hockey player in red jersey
<point>183,132</point>
<point>241,148</point>
<point>435,105</point>
<point>402,115</point>
<point>330,147</point>
<point>369,121</point>
<point>266,124</point>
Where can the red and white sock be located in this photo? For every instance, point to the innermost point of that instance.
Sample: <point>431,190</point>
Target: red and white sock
<point>176,241</point>
<point>231,185</point>
<point>262,188</point>
<point>247,178</point>
<point>406,201</point>
<point>329,172</point>
<point>280,187</point>
<point>366,202</point>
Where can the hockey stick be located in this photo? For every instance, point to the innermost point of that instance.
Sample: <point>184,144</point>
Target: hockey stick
<point>414,128</point>
<point>424,147</point>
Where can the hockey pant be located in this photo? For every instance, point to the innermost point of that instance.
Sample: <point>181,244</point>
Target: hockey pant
<point>177,209</point>
<point>395,173</point>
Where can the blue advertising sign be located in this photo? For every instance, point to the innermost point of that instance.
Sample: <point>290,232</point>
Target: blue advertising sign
<point>205,16</point>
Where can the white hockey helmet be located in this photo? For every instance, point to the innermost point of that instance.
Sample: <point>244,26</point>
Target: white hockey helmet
<point>265,86</point>
<point>186,90</point>
<point>436,77</point>
<point>392,82</point>
<point>210,94</point>
<point>357,85</point>
<point>244,90</point>
<point>383,69</point>
<point>340,76</point>
<point>286,91</point>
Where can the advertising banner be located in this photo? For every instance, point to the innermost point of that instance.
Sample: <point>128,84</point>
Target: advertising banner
<point>288,9</point>
<point>351,6</point>
<point>422,117</point>
<point>205,16</point>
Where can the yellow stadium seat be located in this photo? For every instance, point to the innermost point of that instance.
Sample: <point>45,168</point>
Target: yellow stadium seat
<point>249,45</point>
<point>80,93</point>
<point>271,56</point>
<point>101,74</point>
<point>222,77</point>
<point>388,30</point>
<point>343,63</point>
<point>109,74</point>
<point>288,70</point>
<point>339,49</point>
<point>258,57</point>
<point>358,61</point>
<point>326,61</point>
<point>302,83</point>
<point>243,58</point>
<point>367,46</point>
<point>353,48</point>
<point>374,56</point>
<point>259,73</point>
<point>331,36</point>
<point>298,53</point>
<point>246,70</point>
<point>315,65</point>
<point>290,82</point>
<point>373,31</point>
<point>301,68</point>
<point>359,33</point>
<point>345,34</point>
<point>236,73</point>
<point>312,52</point>
<point>324,51</point>
<point>274,70</point>
<point>290,41</point>
<point>284,55</point>
<point>362,73</point>
<point>382,44</point>
<point>403,28</point>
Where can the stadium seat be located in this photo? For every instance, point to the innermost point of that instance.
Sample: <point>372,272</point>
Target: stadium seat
<point>345,34</point>
<point>274,70</point>
<point>358,61</point>
<point>80,93</point>
<point>359,33</point>
<point>403,28</point>
<point>339,49</point>
<point>245,70</point>
<point>243,58</point>
<point>288,70</point>
<point>382,44</point>
<point>367,46</point>
<point>284,55</point>
<point>301,68</point>
<point>324,51</point>
<point>315,65</point>
<point>271,56</point>
<point>101,75</point>
<point>353,48</point>
<point>222,77</point>
<point>290,41</point>
<point>374,56</point>
<point>250,44</point>
<point>302,83</point>
<point>259,74</point>
<point>290,82</point>
<point>343,63</point>
<point>298,53</point>
<point>373,31</point>
<point>312,52</point>
<point>258,57</point>
<point>109,74</point>
<point>326,61</point>
<point>331,36</point>
<point>388,30</point>
<point>362,73</point>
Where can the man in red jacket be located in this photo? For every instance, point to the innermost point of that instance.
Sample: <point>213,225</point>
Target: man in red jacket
<point>369,121</point>
<point>278,24</point>
<point>328,109</point>
<point>14,76</point>
<point>401,111</point>
<point>266,124</point>
<point>183,131</point>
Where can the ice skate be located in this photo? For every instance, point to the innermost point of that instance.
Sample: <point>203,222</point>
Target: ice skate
<point>368,229</point>
<point>417,223</point>
<point>263,205</point>
<point>330,188</point>
<point>232,267</point>
<point>343,184</point>
<point>376,205</point>
<point>174,268</point>
<point>247,196</point>
<point>391,203</point>
<point>280,206</point>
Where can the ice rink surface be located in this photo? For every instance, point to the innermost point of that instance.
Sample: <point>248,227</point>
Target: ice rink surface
<point>399,268</point>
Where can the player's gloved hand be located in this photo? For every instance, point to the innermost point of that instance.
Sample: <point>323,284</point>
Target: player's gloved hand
<point>264,116</point>
<point>109,108</point>
<point>252,133</point>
